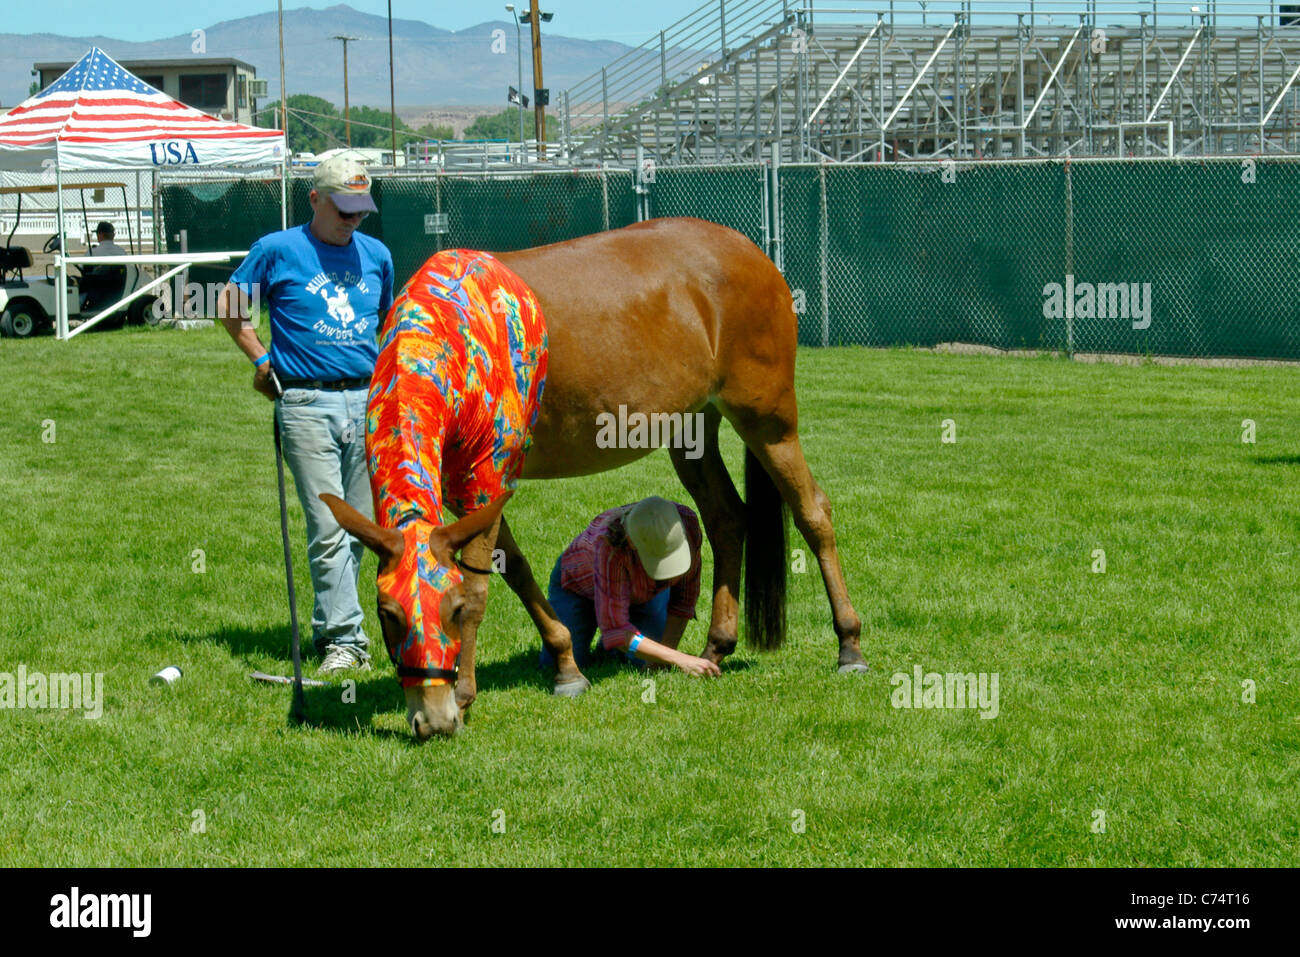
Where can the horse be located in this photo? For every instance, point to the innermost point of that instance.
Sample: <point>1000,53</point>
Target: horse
<point>665,316</point>
<point>449,416</point>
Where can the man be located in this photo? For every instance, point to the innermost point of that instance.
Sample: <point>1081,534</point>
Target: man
<point>97,283</point>
<point>104,234</point>
<point>327,287</point>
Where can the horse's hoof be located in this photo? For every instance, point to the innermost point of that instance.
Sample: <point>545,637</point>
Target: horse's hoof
<point>853,668</point>
<point>572,688</point>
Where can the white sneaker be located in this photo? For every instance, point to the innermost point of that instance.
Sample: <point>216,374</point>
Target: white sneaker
<point>338,658</point>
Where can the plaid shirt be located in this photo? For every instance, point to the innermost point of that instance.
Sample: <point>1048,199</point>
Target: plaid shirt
<point>614,579</point>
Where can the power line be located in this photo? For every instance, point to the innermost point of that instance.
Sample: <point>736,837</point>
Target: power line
<point>295,111</point>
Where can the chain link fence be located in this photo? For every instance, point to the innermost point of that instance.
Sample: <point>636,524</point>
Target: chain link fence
<point>499,212</point>
<point>1162,257</point>
<point>418,215</point>
<point>736,196</point>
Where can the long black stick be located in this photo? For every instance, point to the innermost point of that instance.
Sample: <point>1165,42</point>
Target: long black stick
<point>298,711</point>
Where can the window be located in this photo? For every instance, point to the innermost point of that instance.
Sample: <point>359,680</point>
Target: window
<point>154,81</point>
<point>241,92</point>
<point>204,91</point>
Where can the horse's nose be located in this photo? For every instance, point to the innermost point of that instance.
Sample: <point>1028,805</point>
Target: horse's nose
<point>423,728</point>
<point>432,715</point>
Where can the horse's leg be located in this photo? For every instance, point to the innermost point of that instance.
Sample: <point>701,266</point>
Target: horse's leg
<point>774,441</point>
<point>569,681</point>
<point>722,512</point>
<point>478,553</point>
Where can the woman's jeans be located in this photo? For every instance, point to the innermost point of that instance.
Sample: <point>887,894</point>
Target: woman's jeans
<point>579,616</point>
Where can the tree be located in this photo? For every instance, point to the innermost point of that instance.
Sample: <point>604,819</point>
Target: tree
<point>307,133</point>
<point>316,125</point>
<point>505,126</point>
<point>371,128</point>
<point>431,132</point>
<point>34,88</point>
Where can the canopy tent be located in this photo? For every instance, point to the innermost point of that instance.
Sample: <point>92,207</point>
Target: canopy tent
<point>97,116</point>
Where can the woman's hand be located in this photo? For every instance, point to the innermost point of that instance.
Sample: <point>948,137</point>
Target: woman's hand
<point>655,654</point>
<point>698,666</point>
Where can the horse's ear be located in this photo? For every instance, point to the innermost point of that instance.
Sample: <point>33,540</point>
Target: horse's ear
<point>455,536</point>
<point>384,542</point>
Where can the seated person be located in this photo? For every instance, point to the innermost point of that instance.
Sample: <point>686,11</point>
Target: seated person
<point>104,233</point>
<point>634,573</point>
<point>101,284</point>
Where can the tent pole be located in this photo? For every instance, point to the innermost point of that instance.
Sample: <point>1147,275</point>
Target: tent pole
<point>61,292</point>
<point>155,213</point>
<point>138,241</point>
<point>284,179</point>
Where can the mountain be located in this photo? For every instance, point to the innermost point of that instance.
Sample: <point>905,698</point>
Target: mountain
<point>432,67</point>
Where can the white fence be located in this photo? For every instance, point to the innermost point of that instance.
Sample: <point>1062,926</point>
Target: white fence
<point>43,224</point>
<point>40,210</point>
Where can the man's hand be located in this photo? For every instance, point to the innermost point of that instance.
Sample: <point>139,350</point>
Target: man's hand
<point>262,381</point>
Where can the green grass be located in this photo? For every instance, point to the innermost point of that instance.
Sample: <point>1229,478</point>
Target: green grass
<point>1119,691</point>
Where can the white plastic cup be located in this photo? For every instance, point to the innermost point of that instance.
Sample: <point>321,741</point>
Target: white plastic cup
<point>167,676</point>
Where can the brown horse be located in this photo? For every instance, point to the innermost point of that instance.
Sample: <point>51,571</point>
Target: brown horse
<point>678,315</point>
<point>667,316</point>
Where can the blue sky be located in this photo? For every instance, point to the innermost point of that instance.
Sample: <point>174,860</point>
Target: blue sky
<point>628,21</point>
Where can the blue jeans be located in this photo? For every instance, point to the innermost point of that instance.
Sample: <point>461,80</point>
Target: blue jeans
<point>323,434</point>
<point>579,615</point>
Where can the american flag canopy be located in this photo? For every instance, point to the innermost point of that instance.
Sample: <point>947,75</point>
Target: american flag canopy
<point>99,116</point>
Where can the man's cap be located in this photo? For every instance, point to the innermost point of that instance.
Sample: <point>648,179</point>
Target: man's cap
<point>656,530</point>
<point>347,183</point>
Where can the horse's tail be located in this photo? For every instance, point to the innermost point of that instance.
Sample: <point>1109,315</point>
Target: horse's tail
<point>766,519</point>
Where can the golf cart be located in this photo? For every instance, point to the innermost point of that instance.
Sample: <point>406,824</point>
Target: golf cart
<point>27,304</point>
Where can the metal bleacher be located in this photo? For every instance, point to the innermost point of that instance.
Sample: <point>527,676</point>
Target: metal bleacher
<point>961,79</point>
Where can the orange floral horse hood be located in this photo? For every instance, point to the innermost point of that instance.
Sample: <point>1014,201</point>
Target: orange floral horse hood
<point>452,405</point>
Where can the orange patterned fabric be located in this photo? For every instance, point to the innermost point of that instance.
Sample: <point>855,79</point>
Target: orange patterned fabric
<point>453,401</point>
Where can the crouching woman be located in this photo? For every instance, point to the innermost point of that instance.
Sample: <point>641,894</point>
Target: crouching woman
<point>634,574</point>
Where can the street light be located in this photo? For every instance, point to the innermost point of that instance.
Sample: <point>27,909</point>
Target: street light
<point>519,60</point>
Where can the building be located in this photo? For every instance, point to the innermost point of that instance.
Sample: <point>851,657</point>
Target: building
<point>222,86</point>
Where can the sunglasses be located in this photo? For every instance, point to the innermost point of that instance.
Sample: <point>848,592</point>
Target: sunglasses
<point>352,216</point>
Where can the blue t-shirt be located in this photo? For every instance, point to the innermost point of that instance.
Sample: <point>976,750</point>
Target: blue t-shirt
<point>326,302</point>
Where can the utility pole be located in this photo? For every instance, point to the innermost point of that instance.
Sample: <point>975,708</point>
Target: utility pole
<point>535,16</point>
<point>284,99</point>
<point>392,90</point>
<point>347,118</point>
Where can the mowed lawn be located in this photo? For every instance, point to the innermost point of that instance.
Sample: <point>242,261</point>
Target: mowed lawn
<point>1119,692</point>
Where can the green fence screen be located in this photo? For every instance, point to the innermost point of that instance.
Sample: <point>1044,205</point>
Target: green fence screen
<point>1163,257</point>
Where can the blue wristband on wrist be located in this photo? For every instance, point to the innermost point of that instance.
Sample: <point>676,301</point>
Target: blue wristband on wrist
<point>261,360</point>
<point>634,644</point>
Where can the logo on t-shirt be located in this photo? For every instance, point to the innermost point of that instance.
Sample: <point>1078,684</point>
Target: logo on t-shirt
<point>334,292</point>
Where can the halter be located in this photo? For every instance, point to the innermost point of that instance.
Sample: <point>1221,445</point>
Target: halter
<point>446,674</point>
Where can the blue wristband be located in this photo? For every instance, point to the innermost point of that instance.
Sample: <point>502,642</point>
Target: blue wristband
<point>261,360</point>
<point>634,644</point>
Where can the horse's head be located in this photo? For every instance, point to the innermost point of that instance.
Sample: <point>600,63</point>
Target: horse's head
<point>421,597</point>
